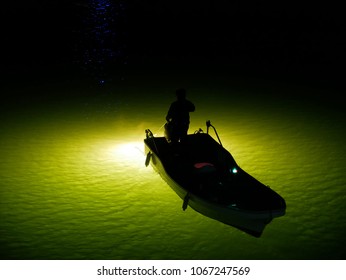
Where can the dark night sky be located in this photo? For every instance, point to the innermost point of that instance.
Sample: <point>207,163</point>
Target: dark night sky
<point>265,37</point>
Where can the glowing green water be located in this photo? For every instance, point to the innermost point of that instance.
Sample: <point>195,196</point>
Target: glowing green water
<point>74,185</point>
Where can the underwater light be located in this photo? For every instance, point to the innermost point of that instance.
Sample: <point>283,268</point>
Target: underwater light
<point>130,153</point>
<point>127,150</point>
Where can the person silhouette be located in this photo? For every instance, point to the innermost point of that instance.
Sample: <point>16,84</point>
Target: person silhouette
<point>178,118</point>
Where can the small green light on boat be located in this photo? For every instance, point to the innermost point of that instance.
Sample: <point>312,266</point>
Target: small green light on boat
<point>234,170</point>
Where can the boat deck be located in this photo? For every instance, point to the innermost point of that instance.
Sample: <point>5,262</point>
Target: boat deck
<point>203,167</point>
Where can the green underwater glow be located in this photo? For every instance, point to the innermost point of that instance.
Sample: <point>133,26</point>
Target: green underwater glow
<point>74,184</point>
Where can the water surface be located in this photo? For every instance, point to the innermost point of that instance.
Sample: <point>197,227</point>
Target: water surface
<point>73,184</point>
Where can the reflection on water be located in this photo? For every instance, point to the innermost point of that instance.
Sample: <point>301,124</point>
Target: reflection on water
<point>103,38</point>
<point>74,184</point>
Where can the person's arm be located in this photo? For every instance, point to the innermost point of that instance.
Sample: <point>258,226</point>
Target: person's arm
<point>191,107</point>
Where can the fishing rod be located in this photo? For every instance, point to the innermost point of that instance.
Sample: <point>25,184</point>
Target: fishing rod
<point>217,135</point>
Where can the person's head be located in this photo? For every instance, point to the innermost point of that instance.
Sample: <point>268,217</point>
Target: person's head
<point>180,93</point>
